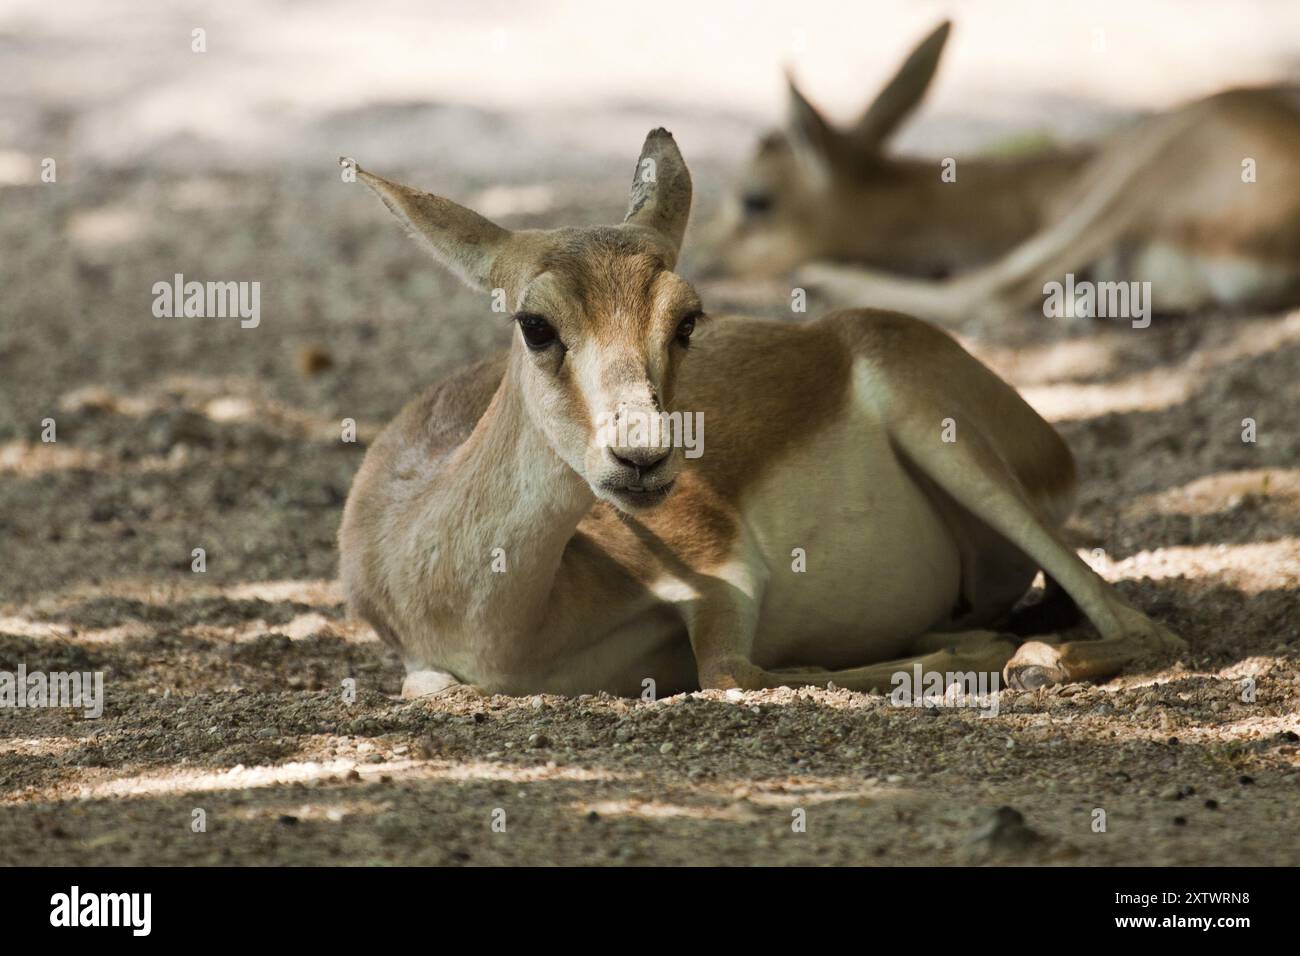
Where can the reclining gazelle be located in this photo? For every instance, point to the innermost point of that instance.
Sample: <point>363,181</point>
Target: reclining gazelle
<point>830,529</point>
<point>1202,202</point>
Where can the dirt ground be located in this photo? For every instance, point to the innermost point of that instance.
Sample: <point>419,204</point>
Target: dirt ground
<point>225,689</point>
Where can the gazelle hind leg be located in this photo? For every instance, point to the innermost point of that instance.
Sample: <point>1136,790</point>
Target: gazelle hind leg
<point>1107,199</point>
<point>940,301</point>
<point>974,475</point>
<point>1041,664</point>
<point>1112,194</point>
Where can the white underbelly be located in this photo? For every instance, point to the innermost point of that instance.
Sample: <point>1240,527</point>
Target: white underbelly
<point>879,567</point>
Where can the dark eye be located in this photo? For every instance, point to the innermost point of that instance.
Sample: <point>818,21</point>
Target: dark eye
<point>685,327</point>
<point>538,333</point>
<point>755,204</point>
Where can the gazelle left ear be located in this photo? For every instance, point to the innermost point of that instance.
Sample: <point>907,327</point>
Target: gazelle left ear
<point>661,189</point>
<point>459,238</point>
<point>818,146</point>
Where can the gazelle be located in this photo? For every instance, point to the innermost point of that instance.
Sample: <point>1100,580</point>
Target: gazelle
<point>828,533</point>
<point>1203,202</point>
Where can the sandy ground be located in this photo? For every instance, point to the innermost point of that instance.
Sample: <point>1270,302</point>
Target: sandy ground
<point>225,690</point>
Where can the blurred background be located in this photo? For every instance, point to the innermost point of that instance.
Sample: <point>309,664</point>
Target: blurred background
<point>471,85</point>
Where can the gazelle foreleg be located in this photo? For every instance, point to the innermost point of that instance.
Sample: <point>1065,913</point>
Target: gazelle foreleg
<point>721,630</point>
<point>970,652</point>
<point>428,683</point>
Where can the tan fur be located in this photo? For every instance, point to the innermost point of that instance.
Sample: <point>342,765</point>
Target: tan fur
<point>823,439</point>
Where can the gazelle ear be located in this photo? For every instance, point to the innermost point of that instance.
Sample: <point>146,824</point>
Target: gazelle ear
<point>459,238</point>
<point>903,92</point>
<point>814,140</point>
<point>661,189</point>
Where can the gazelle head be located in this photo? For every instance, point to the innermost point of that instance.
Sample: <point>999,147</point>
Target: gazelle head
<point>602,324</point>
<point>814,191</point>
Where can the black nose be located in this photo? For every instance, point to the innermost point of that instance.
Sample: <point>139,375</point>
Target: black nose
<point>640,459</point>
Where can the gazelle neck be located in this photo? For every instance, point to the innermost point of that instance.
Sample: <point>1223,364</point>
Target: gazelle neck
<point>503,511</point>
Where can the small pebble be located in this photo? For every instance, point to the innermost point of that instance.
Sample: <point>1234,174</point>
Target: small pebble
<point>313,359</point>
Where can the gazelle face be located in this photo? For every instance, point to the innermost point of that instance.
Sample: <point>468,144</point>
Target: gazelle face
<point>601,332</point>
<point>815,191</point>
<point>602,324</point>
<point>784,212</point>
<point>776,217</point>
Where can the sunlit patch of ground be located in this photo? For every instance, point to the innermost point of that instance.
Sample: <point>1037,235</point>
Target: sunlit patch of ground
<point>1223,492</point>
<point>223,401</point>
<point>1249,568</point>
<point>1160,387</point>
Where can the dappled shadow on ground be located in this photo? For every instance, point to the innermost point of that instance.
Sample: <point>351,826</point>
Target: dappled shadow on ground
<point>807,777</point>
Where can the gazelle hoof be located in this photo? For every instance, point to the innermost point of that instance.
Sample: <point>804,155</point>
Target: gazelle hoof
<point>1035,665</point>
<point>427,684</point>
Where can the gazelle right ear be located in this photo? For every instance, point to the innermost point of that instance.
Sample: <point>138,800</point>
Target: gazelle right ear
<point>903,92</point>
<point>459,238</point>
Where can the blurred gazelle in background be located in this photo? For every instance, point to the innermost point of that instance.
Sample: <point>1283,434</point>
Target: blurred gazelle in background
<point>1203,202</point>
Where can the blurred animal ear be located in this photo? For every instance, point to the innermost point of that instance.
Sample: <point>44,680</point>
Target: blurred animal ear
<point>817,144</point>
<point>459,238</point>
<point>897,100</point>
<point>661,189</point>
